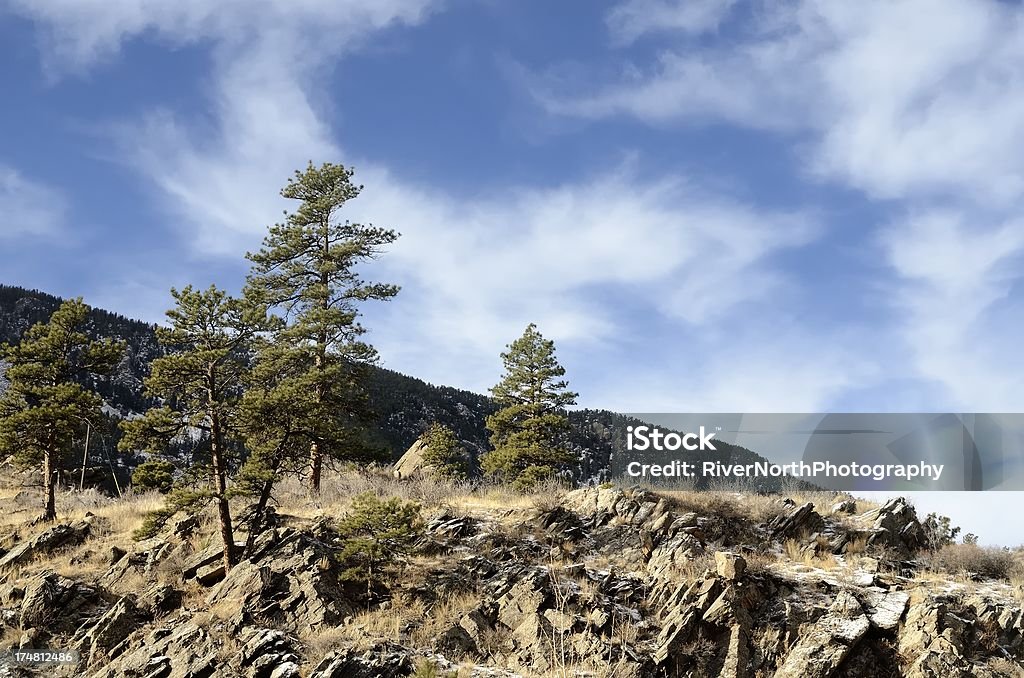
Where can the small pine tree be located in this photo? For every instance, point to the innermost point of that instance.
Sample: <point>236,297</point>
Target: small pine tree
<point>200,381</point>
<point>377,534</point>
<point>445,454</point>
<point>46,404</point>
<point>528,433</point>
<point>155,474</point>
<point>307,270</point>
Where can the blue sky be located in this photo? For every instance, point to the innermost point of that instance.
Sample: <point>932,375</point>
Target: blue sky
<point>711,205</point>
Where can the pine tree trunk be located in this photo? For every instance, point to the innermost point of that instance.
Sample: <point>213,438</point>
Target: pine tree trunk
<point>316,453</point>
<point>220,479</point>
<point>223,511</point>
<point>49,486</point>
<point>316,462</point>
<point>257,518</point>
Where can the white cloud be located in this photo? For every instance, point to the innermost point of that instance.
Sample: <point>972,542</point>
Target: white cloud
<point>224,182</point>
<point>916,103</point>
<point>78,33</point>
<point>955,278</point>
<point>476,271</point>
<point>226,186</point>
<point>28,207</point>
<point>633,18</point>
<point>901,98</point>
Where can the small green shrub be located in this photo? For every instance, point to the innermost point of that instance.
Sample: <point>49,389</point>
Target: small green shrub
<point>445,453</point>
<point>377,534</point>
<point>155,474</point>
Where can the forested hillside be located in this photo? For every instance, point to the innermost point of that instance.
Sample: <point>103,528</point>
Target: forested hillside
<point>405,406</point>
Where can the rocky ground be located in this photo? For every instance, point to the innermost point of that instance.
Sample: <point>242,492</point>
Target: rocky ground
<point>597,582</point>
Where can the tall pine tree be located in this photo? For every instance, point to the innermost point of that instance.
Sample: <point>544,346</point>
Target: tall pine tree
<point>208,343</point>
<point>528,433</point>
<point>48,403</point>
<point>306,270</point>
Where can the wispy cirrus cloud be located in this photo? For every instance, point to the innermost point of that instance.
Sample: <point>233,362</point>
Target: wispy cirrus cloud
<point>954,293</point>
<point>629,20</point>
<point>916,104</point>
<point>476,270</point>
<point>898,98</point>
<point>29,208</point>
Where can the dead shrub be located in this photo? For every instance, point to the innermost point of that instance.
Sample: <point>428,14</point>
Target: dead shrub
<point>971,559</point>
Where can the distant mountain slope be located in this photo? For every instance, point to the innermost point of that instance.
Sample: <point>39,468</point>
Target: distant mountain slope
<point>406,405</point>
<point>20,309</point>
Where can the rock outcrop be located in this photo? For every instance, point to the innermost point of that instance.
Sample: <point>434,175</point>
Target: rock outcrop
<point>53,538</point>
<point>620,582</point>
<point>412,462</point>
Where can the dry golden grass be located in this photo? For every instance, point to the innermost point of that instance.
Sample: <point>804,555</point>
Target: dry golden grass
<point>796,552</point>
<point>9,637</point>
<point>443,615</point>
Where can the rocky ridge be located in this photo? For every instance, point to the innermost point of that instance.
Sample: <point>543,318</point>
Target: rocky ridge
<point>608,582</point>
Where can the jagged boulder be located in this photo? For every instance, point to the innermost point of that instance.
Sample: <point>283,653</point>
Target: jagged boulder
<point>884,608</point>
<point>266,653</point>
<point>895,524</point>
<point>102,638</point>
<point>801,520</point>
<point>683,609</point>
<point>524,600</point>
<point>616,506</point>
<point>822,647</point>
<point>933,640</point>
<point>177,649</point>
<point>58,536</point>
<point>847,506</point>
<point>160,599</point>
<point>412,462</point>
<point>730,565</point>
<point>292,579</point>
<point>53,605</point>
<point>381,661</point>
<point>127,568</point>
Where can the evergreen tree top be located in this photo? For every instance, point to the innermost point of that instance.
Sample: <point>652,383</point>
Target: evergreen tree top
<point>533,376</point>
<point>307,265</point>
<point>60,350</point>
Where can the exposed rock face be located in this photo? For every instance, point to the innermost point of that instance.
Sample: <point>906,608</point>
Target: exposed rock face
<point>729,565</point>
<point>896,525</point>
<point>412,462</point>
<point>52,605</point>
<point>103,638</point>
<point>126,571</point>
<point>848,506</point>
<point>179,649</point>
<point>628,582</point>
<point>383,661</point>
<point>884,608</point>
<point>800,521</point>
<point>291,578</point>
<point>822,648</point>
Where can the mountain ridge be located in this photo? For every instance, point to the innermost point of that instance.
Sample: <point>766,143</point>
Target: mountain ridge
<point>406,405</point>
